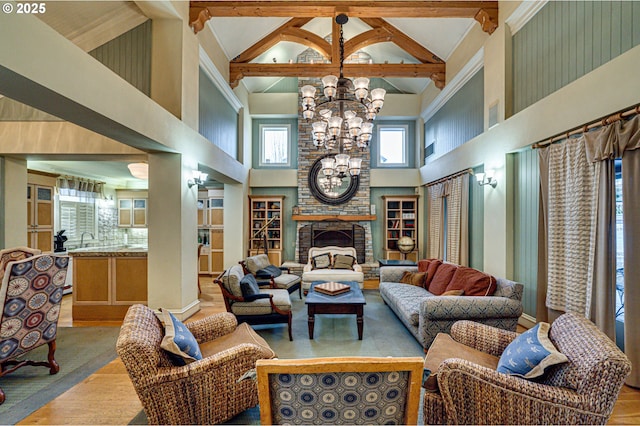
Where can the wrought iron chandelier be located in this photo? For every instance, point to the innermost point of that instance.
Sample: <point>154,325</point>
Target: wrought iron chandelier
<point>344,119</point>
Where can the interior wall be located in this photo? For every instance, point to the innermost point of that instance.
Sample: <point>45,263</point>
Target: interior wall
<point>525,177</point>
<point>460,119</point>
<point>129,56</point>
<point>566,40</point>
<point>476,220</point>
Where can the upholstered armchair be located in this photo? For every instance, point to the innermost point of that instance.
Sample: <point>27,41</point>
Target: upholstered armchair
<point>206,391</point>
<point>317,268</point>
<point>274,306</point>
<point>581,391</point>
<point>348,390</point>
<point>270,275</point>
<point>13,254</point>
<point>31,293</point>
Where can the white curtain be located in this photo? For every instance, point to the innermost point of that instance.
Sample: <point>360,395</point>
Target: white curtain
<point>458,220</point>
<point>435,237</point>
<point>571,227</point>
<point>577,204</point>
<point>449,228</point>
<point>84,189</point>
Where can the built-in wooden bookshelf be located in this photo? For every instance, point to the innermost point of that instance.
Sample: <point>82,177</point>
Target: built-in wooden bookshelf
<point>266,210</point>
<point>400,220</point>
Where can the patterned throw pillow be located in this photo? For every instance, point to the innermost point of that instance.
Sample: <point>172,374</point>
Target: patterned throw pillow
<point>321,261</point>
<point>530,353</point>
<point>178,340</point>
<point>343,261</point>
<point>413,278</point>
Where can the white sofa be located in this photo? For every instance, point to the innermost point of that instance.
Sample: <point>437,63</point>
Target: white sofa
<point>309,274</point>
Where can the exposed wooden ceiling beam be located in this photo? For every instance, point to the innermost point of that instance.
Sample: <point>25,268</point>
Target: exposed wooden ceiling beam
<point>289,31</point>
<point>486,12</point>
<point>237,71</point>
<point>353,8</point>
<point>403,41</point>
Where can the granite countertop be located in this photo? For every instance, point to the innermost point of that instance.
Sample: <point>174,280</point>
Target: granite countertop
<point>110,251</point>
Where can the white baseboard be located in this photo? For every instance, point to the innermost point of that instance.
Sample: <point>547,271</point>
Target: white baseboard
<point>527,321</point>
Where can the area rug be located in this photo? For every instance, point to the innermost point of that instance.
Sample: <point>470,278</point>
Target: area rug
<point>334,335</point>
<point>80,352</point>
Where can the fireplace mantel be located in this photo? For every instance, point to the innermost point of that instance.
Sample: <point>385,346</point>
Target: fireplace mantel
<point>346,218</point>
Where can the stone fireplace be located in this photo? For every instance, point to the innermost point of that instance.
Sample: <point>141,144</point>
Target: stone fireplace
<point>331,233</point>
<point>347,224</point>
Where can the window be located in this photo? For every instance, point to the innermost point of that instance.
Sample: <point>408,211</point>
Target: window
<point>76,218</point>
<point>392,146</point>
<point>275,145</point>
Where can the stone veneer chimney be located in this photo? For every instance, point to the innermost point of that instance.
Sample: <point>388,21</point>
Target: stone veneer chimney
<point>359,205</point>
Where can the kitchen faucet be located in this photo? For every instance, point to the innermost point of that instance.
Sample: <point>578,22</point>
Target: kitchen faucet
<point>82,238</point>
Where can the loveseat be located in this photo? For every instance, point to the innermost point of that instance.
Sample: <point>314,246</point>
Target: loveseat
<point>426,311</point>
<point>317,268</point>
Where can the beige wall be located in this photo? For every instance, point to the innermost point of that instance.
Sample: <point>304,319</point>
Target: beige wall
<point>15,202</point>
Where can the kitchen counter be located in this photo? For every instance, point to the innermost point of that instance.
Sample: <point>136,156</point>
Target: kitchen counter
<point>107,280</point>
<point>110,251</point>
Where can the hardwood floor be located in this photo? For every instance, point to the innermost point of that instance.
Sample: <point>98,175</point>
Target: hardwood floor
<point>108,398</point>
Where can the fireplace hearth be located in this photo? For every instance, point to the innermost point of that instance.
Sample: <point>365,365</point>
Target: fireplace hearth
<point>331,233</point>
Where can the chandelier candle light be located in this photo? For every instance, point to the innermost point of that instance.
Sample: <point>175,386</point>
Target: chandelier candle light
<point>344,118</point>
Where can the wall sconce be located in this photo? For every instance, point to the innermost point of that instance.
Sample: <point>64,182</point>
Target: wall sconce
<point>486,179</point>
<point>197,179</point>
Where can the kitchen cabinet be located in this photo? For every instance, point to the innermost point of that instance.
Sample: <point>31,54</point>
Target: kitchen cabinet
<point>266,210</point>
<point>132,209</point>
<point>106,283</point>
<point>40,207</point>
<point>211,231</point>
<point>400,220</point>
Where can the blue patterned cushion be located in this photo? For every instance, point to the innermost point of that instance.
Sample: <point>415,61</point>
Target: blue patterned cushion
<point>339,398</point>
<point>530,353</point>
<point>178,340</point>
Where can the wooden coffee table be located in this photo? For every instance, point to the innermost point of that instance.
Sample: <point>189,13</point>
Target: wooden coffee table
<point>351,302</point>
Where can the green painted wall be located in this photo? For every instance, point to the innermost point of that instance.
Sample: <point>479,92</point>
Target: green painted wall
<point>476,221</point>
<point>525,177</point>
<point>129,56</point>
<point>289,231</point>
<point>218,120</point>
<point>377,226</point>
<point>255,137</point>
<point>459,120</point>
<point>284,85</point>
<point>566,40</point>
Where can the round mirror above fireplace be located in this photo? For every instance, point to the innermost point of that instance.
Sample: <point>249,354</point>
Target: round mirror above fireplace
<point>338,193</point>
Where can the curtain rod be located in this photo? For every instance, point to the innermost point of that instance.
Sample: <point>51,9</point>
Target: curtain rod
<point>451,176</point>
<point>600,122</point>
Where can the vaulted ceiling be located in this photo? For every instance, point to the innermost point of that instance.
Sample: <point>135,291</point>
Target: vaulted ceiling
<point>408,41</point>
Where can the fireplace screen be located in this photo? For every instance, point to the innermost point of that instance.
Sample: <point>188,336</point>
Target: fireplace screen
<point>331,233</point>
